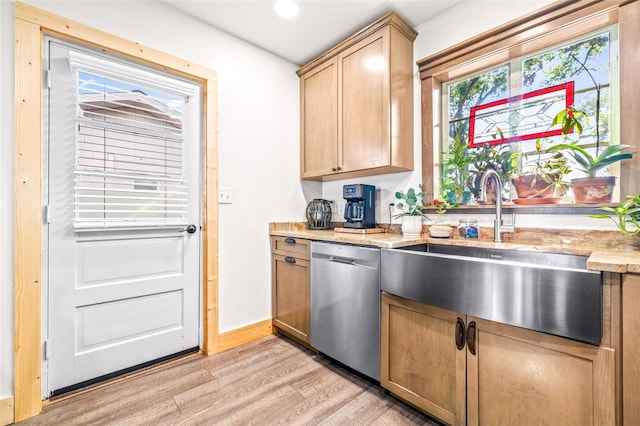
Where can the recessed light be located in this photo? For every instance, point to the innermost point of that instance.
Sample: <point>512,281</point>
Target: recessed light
<point>286,8</point>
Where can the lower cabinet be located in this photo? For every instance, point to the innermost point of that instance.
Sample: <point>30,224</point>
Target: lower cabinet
<point>291,287</point>
<point>465,370</point>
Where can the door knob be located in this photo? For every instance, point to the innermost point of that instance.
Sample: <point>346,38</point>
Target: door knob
<point>191,229</point>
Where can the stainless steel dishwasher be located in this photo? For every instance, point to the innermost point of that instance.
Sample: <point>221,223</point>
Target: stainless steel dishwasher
<point>345,305</point>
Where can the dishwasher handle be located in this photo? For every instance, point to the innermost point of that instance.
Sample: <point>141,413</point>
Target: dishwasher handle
<point>333,258</point>
<point>344,260</point>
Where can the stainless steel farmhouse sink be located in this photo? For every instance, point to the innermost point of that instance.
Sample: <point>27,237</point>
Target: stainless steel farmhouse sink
<point>551,293</point>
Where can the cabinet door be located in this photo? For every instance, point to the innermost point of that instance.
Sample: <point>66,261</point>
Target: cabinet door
<point>630,347</point>
<point>364,140</point>
<point>292,296</point>
<point>519,376</point>
<point>319,121</point>
<point>420,360</point>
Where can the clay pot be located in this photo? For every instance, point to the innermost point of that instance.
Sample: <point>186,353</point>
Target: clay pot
<point>593,190</point>
<point>540,189</point>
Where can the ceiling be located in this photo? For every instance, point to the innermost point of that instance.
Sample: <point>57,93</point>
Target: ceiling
<point>320,24</point>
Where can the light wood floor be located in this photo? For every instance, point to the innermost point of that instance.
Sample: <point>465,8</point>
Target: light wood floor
<point>270,381</point>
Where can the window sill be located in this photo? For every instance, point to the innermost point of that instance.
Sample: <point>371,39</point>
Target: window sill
<point>551,209</point>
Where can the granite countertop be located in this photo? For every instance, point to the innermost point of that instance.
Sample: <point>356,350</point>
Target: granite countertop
<point>605,251</point>
<point>621,261</point>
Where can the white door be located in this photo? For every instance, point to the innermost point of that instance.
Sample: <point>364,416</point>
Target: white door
<point>123,283</point>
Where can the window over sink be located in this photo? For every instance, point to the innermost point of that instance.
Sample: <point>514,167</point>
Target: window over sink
<point>491,101</point>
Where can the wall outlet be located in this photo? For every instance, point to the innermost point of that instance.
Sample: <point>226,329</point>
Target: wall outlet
<point>339,212</point>
<point>224,195</point>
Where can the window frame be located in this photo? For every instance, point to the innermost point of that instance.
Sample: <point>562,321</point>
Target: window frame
<point>548,27</point>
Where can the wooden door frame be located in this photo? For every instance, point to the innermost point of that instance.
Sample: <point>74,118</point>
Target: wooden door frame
<point>31,25</point>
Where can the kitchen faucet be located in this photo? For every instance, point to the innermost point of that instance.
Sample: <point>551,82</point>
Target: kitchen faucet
<point>498,226</point>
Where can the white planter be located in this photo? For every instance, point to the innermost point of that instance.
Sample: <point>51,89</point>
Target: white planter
<point>440,231</point>
<point>411,226</point>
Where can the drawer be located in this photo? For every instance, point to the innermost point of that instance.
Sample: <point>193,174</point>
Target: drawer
<point>290,246</point>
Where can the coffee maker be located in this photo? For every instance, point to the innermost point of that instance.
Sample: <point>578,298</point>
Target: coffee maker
<point>360,210</point>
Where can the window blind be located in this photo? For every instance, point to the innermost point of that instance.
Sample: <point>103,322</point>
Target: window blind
<point>129,147</point>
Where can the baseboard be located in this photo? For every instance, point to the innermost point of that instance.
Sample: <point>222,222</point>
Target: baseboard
<point>6,411</point>
<point>243,335</point>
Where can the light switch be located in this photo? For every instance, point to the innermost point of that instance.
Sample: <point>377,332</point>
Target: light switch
<point>225,196</point>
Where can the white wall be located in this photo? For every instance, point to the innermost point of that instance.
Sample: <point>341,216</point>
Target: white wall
<point>258,148</point>
<point>467,19</point>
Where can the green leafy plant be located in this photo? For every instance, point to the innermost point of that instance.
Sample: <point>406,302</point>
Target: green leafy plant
<point>550,171</point>
<point>411,203</point>
<point>589,164</point>
<point>570,118</point>
<point>626,216</point>
<point>455,167</point>
<point>500,158</point>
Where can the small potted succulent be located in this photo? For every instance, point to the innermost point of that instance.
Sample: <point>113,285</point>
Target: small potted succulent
<point>410,206</point>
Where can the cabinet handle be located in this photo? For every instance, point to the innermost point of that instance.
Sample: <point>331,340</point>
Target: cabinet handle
<point>333,169</point>
<point>290,240</point>
<point>339,168</point>
<point>460,334</point>
<point>289,259</point>
<point>471,337</point>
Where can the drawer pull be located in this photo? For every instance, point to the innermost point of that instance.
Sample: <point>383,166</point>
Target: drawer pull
<point>460,334</point>
<point>289,259</point>
<point>290,240</point>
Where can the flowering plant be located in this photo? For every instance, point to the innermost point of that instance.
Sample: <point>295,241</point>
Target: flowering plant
<point>442,204</point>
<point>588,164</point>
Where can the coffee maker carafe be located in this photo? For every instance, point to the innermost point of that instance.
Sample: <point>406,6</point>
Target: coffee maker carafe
<point>360,210</point>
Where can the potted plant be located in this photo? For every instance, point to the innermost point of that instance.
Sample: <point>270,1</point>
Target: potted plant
<point>497,157</point>
<point>442,205</point>
<point>455,170</point>
<point>543,180</point>
<point>626,216</point>
<point>411,205</point>
<point>593,188</point>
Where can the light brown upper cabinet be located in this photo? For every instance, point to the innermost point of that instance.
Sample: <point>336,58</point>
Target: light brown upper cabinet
<point>356,105</point>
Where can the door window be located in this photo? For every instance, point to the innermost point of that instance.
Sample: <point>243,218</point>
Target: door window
<point>129,169</point>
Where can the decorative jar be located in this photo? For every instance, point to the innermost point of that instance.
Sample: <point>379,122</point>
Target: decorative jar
<point>319,214</point>
<point>468,228</point>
